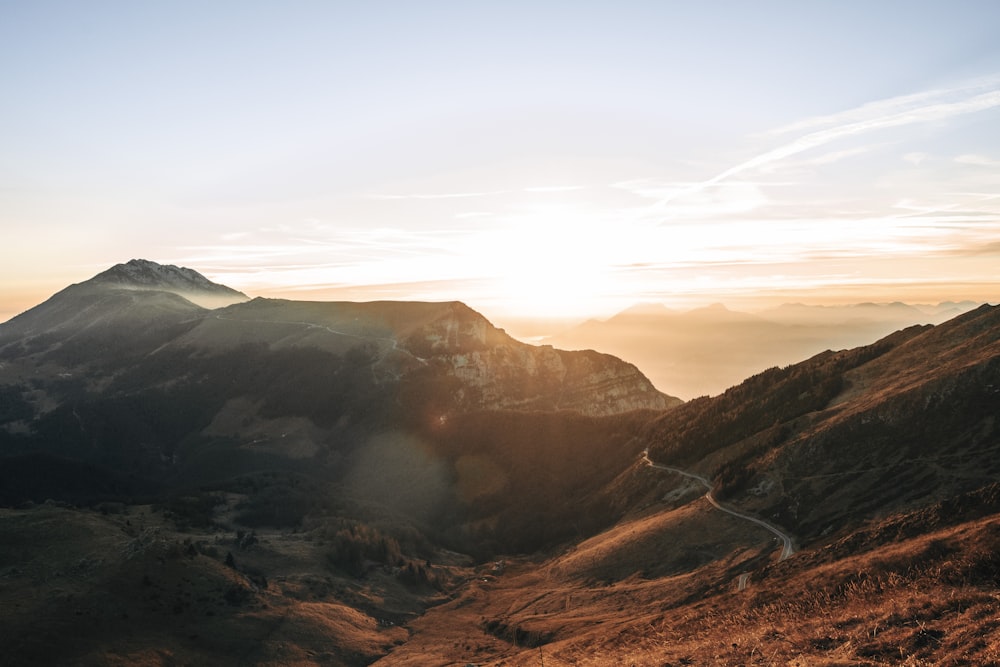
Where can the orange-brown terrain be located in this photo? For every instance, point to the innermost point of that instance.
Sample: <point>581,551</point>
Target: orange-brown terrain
<point>278,483</point>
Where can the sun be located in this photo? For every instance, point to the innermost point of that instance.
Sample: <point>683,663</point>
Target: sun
<point>554,263</point>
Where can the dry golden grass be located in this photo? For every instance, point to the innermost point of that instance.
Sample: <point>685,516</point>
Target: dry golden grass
<point>929,600</point>
<point>127,590</point>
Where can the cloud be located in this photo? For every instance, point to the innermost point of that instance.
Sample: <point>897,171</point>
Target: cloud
<point>441,195</point>
<point>555,188</point>
<point>836,156</point>
<point>977,160</point>
<point>469,195</point>
<point>889,106</point>
<point>891,113</point>
<point>925,114</point>
<point>804,164</point>
<point>915,158</point>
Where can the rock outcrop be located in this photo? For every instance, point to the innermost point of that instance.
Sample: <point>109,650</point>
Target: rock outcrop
<point>499,372</point>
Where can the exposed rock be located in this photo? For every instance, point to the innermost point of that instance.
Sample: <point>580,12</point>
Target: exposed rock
<point>144,274</point>
<point>497,371</point>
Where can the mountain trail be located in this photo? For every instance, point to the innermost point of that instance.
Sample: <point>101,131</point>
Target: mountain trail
<point>788,545</point>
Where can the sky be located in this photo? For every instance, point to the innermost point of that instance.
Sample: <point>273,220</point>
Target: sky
<point>533,159</point>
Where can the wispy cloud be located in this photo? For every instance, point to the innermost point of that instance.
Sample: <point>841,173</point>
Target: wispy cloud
<point>555,188</point>
<point>474,194</point>
<point>440,195</point>
<point>700,200</point>
<point>977,160</point>
<point>891,113</point>
<point>836,156</point>
<point>891,106</point>
<point>802,164</point>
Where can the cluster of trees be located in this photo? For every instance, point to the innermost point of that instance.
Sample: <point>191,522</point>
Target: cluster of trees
<point>354,546</point>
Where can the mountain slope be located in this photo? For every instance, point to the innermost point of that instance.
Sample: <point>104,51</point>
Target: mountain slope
<point>125,379</point>
<point>880,460</point>
<point>845,436</point>
<point>131,307</point>
<point>275,482</point>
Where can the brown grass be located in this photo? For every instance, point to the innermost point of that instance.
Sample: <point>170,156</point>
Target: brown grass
<point>658,589</point>
<point>929,600</point>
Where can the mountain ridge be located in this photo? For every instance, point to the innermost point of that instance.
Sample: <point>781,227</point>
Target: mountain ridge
<point>144,273</point>
<point>445,357</point>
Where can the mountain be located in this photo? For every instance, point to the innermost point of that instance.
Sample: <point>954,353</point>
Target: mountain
<point>147,392</point>
<point>826,436</point>
<point>707,350</point>
<point>142,274</point>
<point>141,426</point>
<point>878,464</point>
<point>277,482</point>
<point>133,304</point>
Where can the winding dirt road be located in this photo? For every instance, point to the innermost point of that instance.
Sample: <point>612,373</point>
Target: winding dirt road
<point>788,546</point>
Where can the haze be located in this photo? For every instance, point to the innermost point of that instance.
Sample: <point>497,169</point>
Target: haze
<point>557,161</point>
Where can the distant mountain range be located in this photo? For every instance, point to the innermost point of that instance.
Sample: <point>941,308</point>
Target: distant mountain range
<point>707,350</point>
<point>273,482</point>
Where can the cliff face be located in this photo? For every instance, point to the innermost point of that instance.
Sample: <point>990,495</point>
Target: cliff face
<point>542,378</point>
<point>497,372</point>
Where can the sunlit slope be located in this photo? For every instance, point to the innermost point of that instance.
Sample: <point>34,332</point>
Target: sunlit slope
<point>880,461</point>
<point>854,434</point>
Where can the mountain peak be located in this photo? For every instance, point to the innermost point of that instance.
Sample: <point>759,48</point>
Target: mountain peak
<point>146,274</point>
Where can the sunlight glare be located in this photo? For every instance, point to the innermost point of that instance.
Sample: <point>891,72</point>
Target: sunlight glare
<point>554,261</point>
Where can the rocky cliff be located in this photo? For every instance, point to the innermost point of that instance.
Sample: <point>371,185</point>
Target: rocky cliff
<point>498,372</point>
